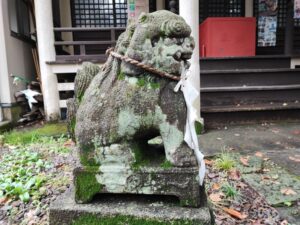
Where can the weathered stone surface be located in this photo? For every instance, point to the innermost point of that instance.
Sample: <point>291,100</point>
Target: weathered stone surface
<point>64,211</point>
<point>180,182</point>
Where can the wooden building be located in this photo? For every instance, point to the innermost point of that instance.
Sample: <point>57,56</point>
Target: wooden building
<point>264,86</point>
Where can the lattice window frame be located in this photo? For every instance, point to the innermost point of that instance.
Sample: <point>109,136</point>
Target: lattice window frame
<point>221,8</point>
<point>99,13</point>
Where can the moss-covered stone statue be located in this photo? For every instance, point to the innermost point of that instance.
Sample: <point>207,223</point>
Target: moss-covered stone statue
<point>121,108</point>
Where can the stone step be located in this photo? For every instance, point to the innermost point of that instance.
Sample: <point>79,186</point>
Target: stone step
<point>256,62</point>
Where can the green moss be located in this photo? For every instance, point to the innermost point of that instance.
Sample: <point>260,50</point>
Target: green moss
<point>141,82</point>
<point>72,125</point>
<point>166,164</point>
<point>32,135</point>
<point>87,156</point>
<point>130,220</point>
<point>198,127</point>
<point>121,75</point>
<point>86,185</point>
<point>188,202</point>
<point>154,85</point>
<point>139,156</point>
<point>80,97</point>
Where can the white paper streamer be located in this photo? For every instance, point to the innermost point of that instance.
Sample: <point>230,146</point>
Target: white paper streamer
<point>190,137</point>
<point>29,94</point>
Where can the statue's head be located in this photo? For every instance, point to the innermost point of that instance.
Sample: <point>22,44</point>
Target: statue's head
<point>160,39</point>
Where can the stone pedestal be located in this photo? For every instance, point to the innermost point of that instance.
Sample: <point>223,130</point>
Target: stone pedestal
<point>124,209</point>
<point>182,183</point>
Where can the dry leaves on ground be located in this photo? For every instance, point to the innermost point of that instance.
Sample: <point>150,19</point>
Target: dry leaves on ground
<point>244,160</point>
<point>235,213</point>
<point>295,159</point>
<point>288,191</point>
<point>216,197</point>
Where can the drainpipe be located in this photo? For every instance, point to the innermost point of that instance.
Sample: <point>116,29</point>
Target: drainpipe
<point>45,38</point>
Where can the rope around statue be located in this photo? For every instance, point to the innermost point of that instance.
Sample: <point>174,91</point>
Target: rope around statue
<point>190,95</point>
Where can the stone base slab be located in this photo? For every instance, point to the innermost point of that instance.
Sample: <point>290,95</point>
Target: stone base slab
<point>180,182</point>
<point>65,211</point>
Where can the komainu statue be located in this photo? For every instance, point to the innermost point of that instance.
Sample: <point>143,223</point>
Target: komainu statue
<point>129,123</point>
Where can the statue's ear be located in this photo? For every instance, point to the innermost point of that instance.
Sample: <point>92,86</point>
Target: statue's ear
<point>144,17</point>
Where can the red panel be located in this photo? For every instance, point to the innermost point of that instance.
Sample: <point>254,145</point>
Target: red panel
<point>228,36</point>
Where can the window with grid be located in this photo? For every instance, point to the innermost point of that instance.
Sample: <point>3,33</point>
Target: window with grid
<point>281,13</point>
<point>221,8</point>
<point>99,13</point>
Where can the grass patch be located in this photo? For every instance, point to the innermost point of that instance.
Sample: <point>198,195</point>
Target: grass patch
<point>33,135</point>
<point>225,161</point>
<point>230,191</point>
<point>22,174</point>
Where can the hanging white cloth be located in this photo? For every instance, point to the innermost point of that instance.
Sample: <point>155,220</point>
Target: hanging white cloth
<point>191,94</point>
<point>29,94</point>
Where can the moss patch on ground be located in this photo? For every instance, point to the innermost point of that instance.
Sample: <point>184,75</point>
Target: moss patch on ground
<point>32,135</point>
<point>130,220</point>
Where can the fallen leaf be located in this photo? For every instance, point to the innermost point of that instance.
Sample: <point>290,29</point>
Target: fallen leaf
<point>3,200</point>
<point>296,159</point>
<point>296,132</point>
<point>284,222</point>
<point>216,186</point>
<point>59,165</point>
<point>68,143</point>
<point>215,197</point>
<point>242,185</point>
<point>234,174</point>
<point>266,170</point>
<point>259,154</point>
<point>212,175</point>
<point>275,131</point>
<point>288,191</point>
<point>244,160</point>
<point>265,177</point>
<point>235,213</point>
<point>257,222</point>
<point>208,162</point>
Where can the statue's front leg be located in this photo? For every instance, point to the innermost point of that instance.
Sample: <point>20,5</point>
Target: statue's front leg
<point>176,150</point>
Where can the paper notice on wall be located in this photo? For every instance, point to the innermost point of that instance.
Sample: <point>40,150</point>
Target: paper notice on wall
<point>267,7</point>
<point>267,26</point>
<point>136,7</point>
<point>297,9</point>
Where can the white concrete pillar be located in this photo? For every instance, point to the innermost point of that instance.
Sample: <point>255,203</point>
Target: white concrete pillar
<point>190,12</point>
<point>248,8</point>
<point>45,38</point>
<point>5,93</point>
<point>160,4</point>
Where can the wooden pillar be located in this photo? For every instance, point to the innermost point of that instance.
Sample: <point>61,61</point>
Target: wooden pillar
<point>45,38</point>
<point>289,29</point>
